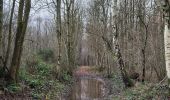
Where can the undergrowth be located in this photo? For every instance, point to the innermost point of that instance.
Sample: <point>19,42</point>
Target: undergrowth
<point>145,91</point>
<point>39,75</point>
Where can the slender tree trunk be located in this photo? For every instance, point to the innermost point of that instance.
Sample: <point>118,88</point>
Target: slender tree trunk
<point>121,68</point>
<point>59,30</point>
<point>1,33</point>
<point>70,35</point>
<point>68,30</point>
<point>125,77</point>
<point>10,34</point>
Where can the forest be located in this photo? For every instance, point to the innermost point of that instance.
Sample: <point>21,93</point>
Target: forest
<point>84,49</point>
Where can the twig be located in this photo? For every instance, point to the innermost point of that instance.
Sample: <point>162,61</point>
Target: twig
<point>162,80</point>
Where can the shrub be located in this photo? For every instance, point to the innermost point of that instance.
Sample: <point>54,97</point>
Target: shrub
<point>43,68</point>
<point>13,88</point>
<point>37,74</point>
<point>35,83</point>
<point>38,66</point>
<point>36,96</point>
<point>46,54</point>
<point>66,77</point>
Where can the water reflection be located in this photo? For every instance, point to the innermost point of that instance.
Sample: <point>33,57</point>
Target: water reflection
<point>87,89</point>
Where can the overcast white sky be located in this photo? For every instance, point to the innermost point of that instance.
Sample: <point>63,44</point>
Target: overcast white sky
<point>45,14</point>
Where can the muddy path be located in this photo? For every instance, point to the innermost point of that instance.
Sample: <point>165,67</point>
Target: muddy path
<point>88,85</point>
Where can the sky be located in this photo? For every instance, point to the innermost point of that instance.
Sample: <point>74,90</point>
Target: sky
<point>44,13</point>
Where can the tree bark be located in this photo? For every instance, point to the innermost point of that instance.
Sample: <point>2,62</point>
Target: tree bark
<point>167,51</point>
<point>121,65</point>
<point>10,35</point>
<point>165,6</point>
<point>23,16</point>
<point>1,33</point>
<point>70,35</point>
<point>59,30</point>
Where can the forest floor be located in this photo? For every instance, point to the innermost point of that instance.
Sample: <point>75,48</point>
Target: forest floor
<point>14,92</point>
<point>43,86</point>
<point>87,71</point>
<point>37,81</point>
<point>116,90</point>
<point>147,91</point>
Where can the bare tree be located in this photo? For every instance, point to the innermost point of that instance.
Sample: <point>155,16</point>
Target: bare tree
<point>59,30</point>
<point>10,34</point>
<point>23,16</point>
<point>1,33</point>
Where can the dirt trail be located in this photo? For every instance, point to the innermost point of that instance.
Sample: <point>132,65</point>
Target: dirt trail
<point>89,84</point>
<point>86,71</point>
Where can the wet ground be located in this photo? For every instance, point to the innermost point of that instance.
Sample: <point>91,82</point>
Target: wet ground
<point>88,85</point>
<point>87,89</point>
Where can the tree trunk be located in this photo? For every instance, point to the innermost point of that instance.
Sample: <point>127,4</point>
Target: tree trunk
<point>10,35</point>
<point>167,50</point>
<point>165,5</point>
<point>70,35</point>
<point>1,33</point>
<point>59,30</point>
<point>23,15</point>
<point>125,77</point>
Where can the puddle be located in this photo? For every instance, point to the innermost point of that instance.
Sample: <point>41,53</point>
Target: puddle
<point>87,89</point>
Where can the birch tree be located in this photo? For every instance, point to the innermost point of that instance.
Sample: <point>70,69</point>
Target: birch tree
<point>125,77</point>
<point>167,35</point>
<point>165,5</point>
